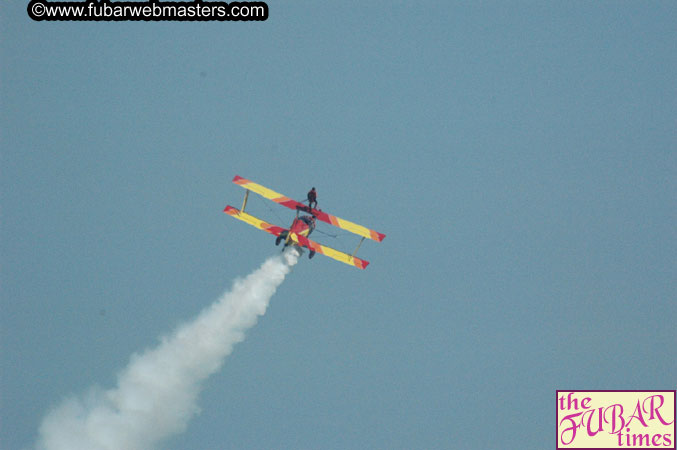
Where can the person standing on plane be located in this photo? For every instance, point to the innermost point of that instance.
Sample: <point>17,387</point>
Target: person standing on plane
<point>312,198</point>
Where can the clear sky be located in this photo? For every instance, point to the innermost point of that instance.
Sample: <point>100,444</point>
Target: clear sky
<point>519,156</point>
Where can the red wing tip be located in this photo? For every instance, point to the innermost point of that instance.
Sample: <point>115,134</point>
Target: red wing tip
<point>230,210</point>
<point>378,237</point>
<point>239,180</point>
<point>363,264</point>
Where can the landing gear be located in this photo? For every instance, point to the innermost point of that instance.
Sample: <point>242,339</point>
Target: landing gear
<point>311,254</point>
<point>281,237</point>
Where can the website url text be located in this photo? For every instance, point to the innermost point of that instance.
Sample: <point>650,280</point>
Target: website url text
<point>153,10</point>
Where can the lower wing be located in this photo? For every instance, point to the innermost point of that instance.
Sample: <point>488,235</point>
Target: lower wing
<point>253,221</point>
<point>330,252</point>
<point>298,239</point>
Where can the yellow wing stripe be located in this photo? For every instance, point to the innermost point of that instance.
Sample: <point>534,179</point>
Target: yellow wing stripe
<point>261,190</point>
<point>253,221</point>
<point>357,229</point>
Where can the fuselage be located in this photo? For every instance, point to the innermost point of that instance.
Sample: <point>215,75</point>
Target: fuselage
<point>302,226</point>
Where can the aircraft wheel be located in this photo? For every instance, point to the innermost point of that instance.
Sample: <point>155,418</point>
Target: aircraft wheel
<point>311,254</point>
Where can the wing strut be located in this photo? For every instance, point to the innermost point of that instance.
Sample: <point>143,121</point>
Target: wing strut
<point>246,196</point>
<point>358,247</point>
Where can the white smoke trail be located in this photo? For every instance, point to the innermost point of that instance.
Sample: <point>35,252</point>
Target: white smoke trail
<point>157,392</point>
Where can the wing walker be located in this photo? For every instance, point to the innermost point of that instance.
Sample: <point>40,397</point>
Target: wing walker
<point>303,224</point>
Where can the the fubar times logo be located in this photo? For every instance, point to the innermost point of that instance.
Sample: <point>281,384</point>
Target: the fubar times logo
<point>606,420</point>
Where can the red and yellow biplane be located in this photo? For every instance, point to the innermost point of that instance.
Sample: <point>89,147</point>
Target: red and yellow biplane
<point>302,225</point>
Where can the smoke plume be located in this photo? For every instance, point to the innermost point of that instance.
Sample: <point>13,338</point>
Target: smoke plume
<point>157,392</point>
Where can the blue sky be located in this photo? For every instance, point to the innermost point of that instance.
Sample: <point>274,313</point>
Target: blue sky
<point>519,156</point>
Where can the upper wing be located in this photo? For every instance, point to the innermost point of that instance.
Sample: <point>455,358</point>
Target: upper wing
<point>323,216</point>
<point>253,221</point>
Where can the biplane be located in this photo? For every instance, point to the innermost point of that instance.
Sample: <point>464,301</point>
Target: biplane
<point>302,225</point>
